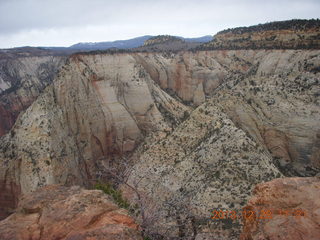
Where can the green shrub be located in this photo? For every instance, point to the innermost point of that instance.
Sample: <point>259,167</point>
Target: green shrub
<point>115,194</point>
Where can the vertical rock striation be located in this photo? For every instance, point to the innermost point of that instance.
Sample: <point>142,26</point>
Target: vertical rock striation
<point>22,80</point>
<point>199,130</point>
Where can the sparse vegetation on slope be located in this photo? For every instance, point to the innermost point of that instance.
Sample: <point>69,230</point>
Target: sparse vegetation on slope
<point>161,39</point>
<point>292,34</point>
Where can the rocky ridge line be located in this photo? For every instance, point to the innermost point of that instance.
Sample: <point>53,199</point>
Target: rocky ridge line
<point>292,34</point>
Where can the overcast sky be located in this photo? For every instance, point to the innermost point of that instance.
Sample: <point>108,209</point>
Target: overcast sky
<point>66,22</point>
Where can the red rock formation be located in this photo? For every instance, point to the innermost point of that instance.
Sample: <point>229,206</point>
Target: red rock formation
<point>8,198</point>
<point>56,212</point>
<point>277,142</point>
<point>279,196</point>
<point>6,120</point>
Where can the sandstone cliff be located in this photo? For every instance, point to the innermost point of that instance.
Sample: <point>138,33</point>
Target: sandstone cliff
<point>198,130</point>
<point>56,212</point>
<point>206,163</point>
<point>22,80</point>
<point>293,206</point>
<point>209,161</point>
<point>94,111</point>
<point>293,34</point>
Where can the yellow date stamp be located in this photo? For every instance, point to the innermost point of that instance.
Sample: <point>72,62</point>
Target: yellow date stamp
<point>263,214</point>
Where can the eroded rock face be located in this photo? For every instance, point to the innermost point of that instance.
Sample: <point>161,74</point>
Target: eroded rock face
<point>287,194</point>
<point>258,98</point>
<point>262,117</point>
<point>190,76</point>
<point>8,198</point>
<point>206,163</point>
<point>99,108</point>
<point>22,80</point>
<point>57,212</point>
<point>279,106</point>
<point>293,34</point>
<point>200,129</point>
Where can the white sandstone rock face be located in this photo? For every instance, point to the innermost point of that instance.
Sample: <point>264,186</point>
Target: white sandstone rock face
<point>206,163</point>
<point>199,130</point>
<point>260,124</point>
<point>92,112</point>
<point>22,80</point>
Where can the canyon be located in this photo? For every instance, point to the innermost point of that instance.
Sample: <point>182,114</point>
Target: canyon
<point>22,79</point>
<point>180,134</point>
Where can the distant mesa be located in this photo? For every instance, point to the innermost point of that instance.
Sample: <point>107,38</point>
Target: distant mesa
<point>291,34</point>
<point>171,43</point>
<point>162,39</point>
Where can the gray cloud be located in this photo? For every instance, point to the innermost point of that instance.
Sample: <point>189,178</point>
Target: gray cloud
<point>64,22</point>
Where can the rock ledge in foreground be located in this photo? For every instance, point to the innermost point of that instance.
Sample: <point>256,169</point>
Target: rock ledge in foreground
<point>285,194</point>
<point>68,213</point>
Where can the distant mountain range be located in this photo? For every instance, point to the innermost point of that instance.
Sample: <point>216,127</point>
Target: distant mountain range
<point>123,44</point>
